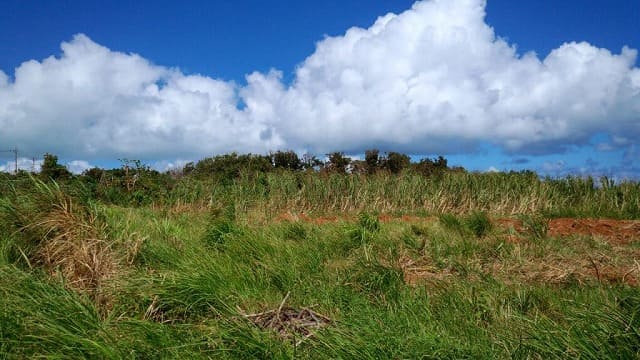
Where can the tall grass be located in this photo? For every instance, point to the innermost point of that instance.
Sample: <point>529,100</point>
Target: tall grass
<point>494,193</point>
<point>185,274</point>
<point>59,233</point>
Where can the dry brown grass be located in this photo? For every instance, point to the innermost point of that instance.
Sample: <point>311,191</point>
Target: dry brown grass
<point>65,238</point>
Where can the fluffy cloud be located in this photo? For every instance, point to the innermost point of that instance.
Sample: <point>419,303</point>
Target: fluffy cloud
<point>78,166</point>
<point>34,165</point>
<point>94,102</point>
<point>435,78</point>
<point>23,164</point>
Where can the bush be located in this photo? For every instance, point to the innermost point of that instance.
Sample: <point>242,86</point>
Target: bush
<point>478,223</point>
<point>396,162</point>
<point>338,162</point>
<point>288,160</point>
<point>52,170</point>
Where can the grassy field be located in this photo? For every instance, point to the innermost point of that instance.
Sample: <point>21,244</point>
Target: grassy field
<point>294,265</point>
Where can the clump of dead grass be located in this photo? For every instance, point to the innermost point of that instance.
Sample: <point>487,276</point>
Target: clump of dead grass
<point>288,322</point>
<point>62,235</point>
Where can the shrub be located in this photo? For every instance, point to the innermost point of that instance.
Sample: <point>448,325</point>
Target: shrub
<point>478,223</point>
<point>52,170</point>
<point>338,162</point>
<point>60,234</point>
<point>396,162</point>
<point>536,225</point>
<point>451,222</point>
<point>288,160</point>
<point>372,160</point>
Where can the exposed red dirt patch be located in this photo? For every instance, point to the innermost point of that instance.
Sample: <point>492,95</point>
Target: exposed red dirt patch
<point>614,231</point>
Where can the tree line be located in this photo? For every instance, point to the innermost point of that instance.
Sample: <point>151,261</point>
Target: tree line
<point>233,164</point>
<point>137,183</point>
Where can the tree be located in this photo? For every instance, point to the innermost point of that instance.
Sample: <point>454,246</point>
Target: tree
<point>310,162</point>
<point>338,162</point>
<point>95,174</point>
<point>372,160</point>
<point>286,160</point>
<point>52,170</point>
<point>230,166</point>
<point>396,162</point>
<point>430,167</point>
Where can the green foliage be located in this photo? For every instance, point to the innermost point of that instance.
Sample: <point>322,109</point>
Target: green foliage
<point>396,162</point>
<point>369,222</point>
<point>478,223</point>
<point>382,282</point>
<point>338,162</point>
<point>596,332</point>
<point>361,234</point>
<point>52,170</point>
<point>218,232</point>
<point>202,253</point>
<point>222,225</point>
<point>428,167</point>
<point>228,167</point>
<point>295,231</point>
<point>372,159</point>
<point>288,160</point>
<point>133,184</point>
<point>536,225</point>
<point>451,222</point>
<point>40,318</point>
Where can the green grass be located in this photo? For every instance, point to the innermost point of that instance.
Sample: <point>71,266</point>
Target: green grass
<point>453,286</point>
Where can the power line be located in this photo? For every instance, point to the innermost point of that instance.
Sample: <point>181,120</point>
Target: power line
<point>15,153</point>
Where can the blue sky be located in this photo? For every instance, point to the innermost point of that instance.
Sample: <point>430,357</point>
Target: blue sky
<point>337,91</point>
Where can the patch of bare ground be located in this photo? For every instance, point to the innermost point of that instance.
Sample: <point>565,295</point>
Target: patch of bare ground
<point>619,232</point>
<point>593,251</point>
<point>620,264</point>
<point>614,231</point>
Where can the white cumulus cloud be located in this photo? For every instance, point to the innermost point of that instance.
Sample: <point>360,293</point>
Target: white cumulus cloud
<point>435,78</point>
<point>26,164</point>
<point>78,166</point>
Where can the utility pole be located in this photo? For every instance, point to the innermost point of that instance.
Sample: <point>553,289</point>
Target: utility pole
<point>15,152</point>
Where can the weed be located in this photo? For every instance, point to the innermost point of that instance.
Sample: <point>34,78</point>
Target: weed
<point>218,232</point>
<point>295,231</point>
<point>478,223</point>
<point>63,236</point>
<point>383,282</point>
<point>535,225</point>
<point>451,222</point>
<point>369,222</point>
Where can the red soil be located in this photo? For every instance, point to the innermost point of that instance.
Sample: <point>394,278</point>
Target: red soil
<point>614,231</point>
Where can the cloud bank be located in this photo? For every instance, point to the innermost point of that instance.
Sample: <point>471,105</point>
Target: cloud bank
<point>433,79</point>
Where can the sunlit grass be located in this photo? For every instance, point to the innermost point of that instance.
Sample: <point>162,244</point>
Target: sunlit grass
<point>451,282</point>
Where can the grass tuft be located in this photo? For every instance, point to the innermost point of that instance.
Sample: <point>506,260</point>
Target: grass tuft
<point>478,223</point>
